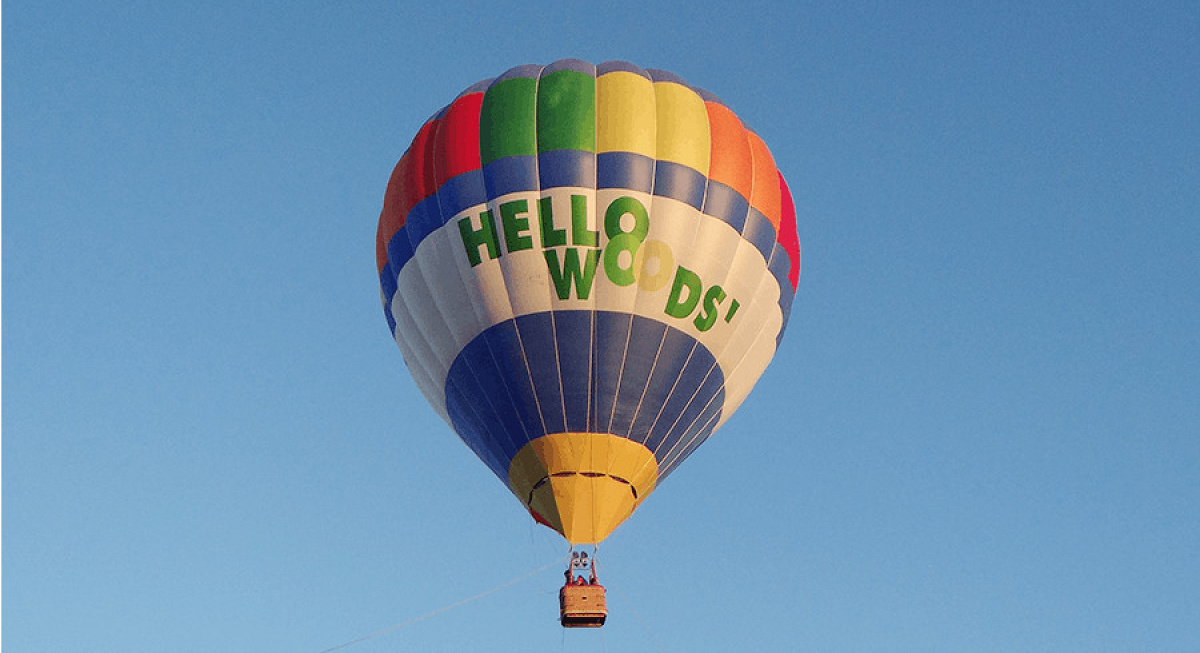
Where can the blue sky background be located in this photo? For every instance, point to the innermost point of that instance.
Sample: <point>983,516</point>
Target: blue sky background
<point>980,433</point>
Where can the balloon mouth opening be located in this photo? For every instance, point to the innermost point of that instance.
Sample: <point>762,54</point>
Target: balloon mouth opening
<point>582,485</point>
<point>584,507</point>
<point>546,479</point>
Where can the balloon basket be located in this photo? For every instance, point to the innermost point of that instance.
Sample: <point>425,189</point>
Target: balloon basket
<point>582,606</point>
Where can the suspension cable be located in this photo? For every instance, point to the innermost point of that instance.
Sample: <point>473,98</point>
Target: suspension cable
<point>628,606</point>
<point>446,608</point>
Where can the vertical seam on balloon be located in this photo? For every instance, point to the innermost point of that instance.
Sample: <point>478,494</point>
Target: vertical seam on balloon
<point>654,424</point>
<point>633,309</point>
<point>425,339</point>
<point>594,208</point>
<point>680,446</point>
<point>417,340</point>
<point>591,300</point>
<point>507,391</point>
<point>588,452</point>
<point>663,467</point>
<point>728,374</point>
<point>696,344</point>
<point>679,455</point>
<point>695,230</point>
<point>592,335</point>
<point>591,376</point>
<point>764,281</point>
<point>621,373</point>
<point>595,418</point>
<point>513,317</point>
<point>412,340</point>
<point>466,278</point>
<point>642,396</point>
<point>668,456</point>
<point>483,421</point>
<point>431,240</point>
<point>419,271</point>
<point>592,187</point>
<point>700,215</point>
<point>671,393</point>
<point>475,408</point>
<point>641,399</point>
<point>715,353</point>
<point>549,288</point>
<point>768,276</point>
<point>727,268</point>
<point>637,409</point>
<point>537,402</point>
<point>697,429</point>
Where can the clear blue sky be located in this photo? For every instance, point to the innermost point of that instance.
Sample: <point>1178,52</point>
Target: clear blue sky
<point>980,433</point>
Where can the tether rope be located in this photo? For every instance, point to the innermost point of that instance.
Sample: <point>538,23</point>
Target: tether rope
<point>629,607</point>
<point>480,595</point>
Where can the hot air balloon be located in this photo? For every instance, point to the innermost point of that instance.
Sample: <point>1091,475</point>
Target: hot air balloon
<point>586,268</point>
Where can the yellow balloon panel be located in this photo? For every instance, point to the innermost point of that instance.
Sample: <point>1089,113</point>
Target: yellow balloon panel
<point>583,485</point>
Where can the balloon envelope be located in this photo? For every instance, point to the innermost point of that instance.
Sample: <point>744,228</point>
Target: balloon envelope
<point>586,268</point>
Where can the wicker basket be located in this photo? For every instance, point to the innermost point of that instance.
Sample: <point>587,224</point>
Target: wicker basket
<point>582,606</point>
